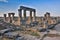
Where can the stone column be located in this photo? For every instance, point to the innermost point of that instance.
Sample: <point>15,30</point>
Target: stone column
<point>20,13</point>
<point>9,17</point>
<point>34,18</point>
<point>12,17</point>
<point>24,14</point>
<point>31,16</point>
<point>20,17</point>
<point>4,17</point>
<point>24,17</point>
<point>8,14</point>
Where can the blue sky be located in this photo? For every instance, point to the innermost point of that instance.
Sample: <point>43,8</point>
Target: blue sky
<point>41,6</point>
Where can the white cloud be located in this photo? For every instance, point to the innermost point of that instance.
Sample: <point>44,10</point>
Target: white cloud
<point>3,1</point>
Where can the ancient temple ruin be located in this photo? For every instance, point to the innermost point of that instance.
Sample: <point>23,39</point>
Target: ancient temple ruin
<point>30,18</point>
<point>11,17</point>
<point>22,20</point>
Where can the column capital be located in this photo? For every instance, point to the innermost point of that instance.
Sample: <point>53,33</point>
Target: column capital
<point>19,9</point>
<point>34,10</point>
<point>4,15</point>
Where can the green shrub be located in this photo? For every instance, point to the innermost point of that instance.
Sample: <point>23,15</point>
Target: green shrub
<point>35,34</point>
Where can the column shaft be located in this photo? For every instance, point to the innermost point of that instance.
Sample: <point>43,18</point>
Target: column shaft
<point>20,13</point>
<point>31,16</point>
<point>4,17</point>
<point>24,14</point>
<point>34,16</point>
<point>12,17</point>
<point>9,15</point>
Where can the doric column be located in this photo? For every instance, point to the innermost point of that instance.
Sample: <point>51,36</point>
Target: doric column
<point>20,17</point>
<point>24,14</point>
<point>4,17</point>
<point>9,16</point>
<point>20,13</point>
<point>31,16</point>
<point>34,18</point>
<point>12,17</point>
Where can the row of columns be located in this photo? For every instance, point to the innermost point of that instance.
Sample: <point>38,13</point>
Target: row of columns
<point>31,18</point>
<point>10,17</point>
<point>24,11</point>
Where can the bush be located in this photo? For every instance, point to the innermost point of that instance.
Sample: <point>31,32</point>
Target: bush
<point>35,34</point>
